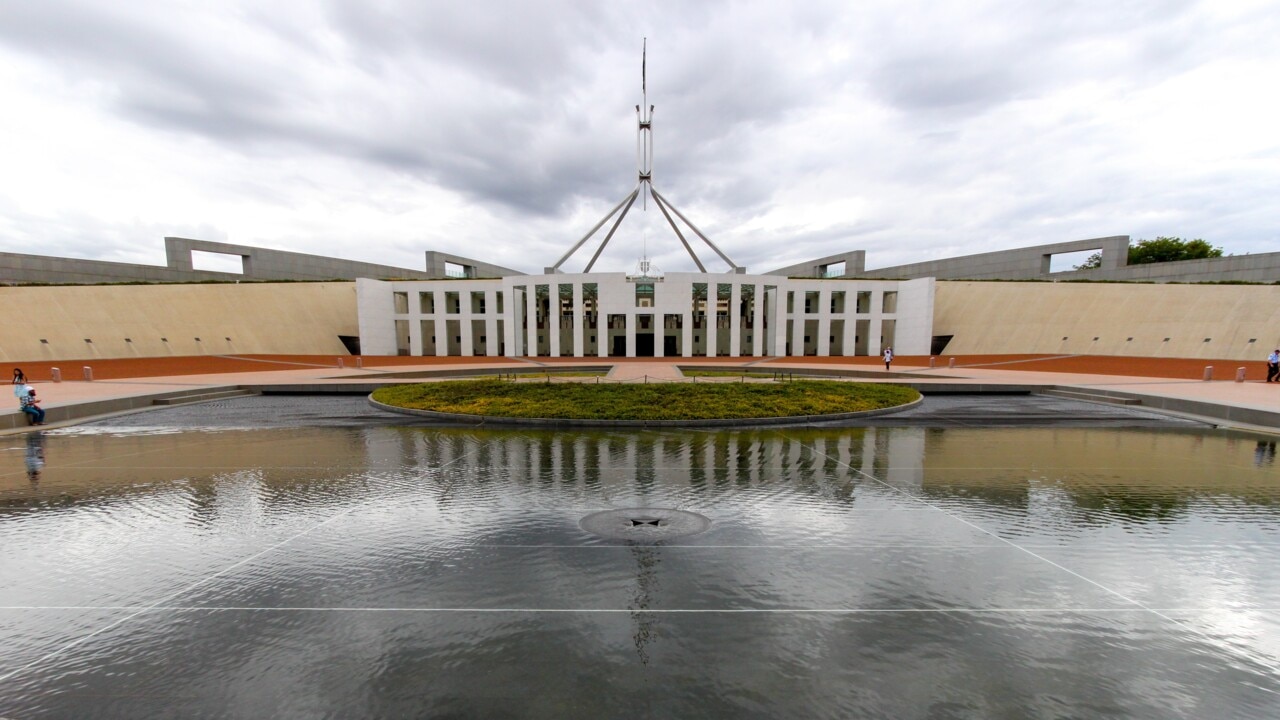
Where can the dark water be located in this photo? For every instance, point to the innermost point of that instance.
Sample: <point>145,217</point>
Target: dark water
<point>904,572</point>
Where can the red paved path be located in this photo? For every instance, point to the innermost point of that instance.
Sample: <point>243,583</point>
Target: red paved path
<point>121,368</point>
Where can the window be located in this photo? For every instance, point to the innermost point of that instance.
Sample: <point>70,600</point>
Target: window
<point>811,302</point>
<point>890,302</point>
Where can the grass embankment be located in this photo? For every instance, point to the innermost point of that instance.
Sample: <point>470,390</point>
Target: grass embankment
<point>669,401</point>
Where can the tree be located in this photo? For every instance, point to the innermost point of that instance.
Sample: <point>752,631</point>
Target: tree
<point>1161,249</point>
<point>1168,249</point>
<point>1091,262</point>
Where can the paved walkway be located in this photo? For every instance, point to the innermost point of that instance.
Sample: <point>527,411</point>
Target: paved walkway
<point>1226,395</point>
<point>642,371</point>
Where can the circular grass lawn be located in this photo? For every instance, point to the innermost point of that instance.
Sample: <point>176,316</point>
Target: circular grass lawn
<point>666,402</point>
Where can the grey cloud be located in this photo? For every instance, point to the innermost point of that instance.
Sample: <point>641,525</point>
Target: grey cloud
<point>527,111</point>
<point>495,115</point>
<point>944,65</point>
<point>497,151</point>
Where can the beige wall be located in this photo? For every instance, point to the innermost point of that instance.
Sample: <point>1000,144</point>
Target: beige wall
<point>302,318</point>
<point>1012,317</point>
<point>306,318</point>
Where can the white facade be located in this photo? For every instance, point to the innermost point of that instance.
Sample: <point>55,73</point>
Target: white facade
<point>610,315</point>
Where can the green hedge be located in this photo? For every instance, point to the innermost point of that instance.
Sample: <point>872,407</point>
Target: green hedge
<point>667,401</point>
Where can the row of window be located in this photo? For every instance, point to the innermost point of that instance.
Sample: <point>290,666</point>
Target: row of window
<point>645,298</point>
<point>452,302</point>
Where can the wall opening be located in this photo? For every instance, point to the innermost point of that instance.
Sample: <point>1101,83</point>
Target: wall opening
<point>835,341</point>
<point>1064,262</point>
<point>402,337</point>
<point>217,262</point>
<point>428,330</point>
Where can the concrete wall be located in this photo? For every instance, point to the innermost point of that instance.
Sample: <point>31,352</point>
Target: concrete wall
<point>1261,268</point>
<point>304,318</point>
<point>854,266</point>
<point>264,264</point>
<point>1020,264</point>
<point>436,267</point>
<point>1033,263</point>
<point>1126,319</point>
<point>17,268</point>
<point>257,264</point>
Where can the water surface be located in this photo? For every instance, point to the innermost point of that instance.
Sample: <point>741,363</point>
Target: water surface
<point>155,570</point>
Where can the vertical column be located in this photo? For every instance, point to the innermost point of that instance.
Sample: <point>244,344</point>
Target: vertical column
<point>659,329</point>
<point>850,322</point>
<point>579,320</point>
<point>492,341</point>
<point>753,317</point>
<point>553,321</point>
<point>511,314</point>
<point>713,302</point>
<point>686,326</point>
<point>797,326</point>
<point>531,317</point>
<point>467,343</point>
<point>441,323</point>
<point>735,324</point>
<point>602,323</point>
<point>824,321</point>
<point>771,313</point>
<point>631,333</point>
<point>415,324</point>
<point>875,341</point>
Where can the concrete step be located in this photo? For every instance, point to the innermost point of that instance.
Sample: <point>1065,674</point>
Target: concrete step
<point>202,397</point>
<point>1089,397</point>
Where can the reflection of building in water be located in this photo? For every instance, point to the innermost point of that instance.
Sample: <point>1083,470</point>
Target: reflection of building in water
<point>1265,453</point>
<point>642,458</point>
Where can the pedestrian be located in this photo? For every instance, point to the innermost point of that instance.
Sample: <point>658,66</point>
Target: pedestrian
<point>1273,366</point>
<point>19,383</point>
<point>31,406</point>
<point>888,356</point>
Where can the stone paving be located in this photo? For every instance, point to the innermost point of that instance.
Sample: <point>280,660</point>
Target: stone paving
<point>1222,392</point>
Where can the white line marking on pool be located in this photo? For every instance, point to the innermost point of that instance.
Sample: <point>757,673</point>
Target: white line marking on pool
<point>671,611</point>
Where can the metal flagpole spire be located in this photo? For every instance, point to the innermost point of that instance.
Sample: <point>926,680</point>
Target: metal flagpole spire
<point>644,189</point>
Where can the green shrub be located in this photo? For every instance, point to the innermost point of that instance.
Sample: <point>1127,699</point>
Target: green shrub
<point>667,401</point>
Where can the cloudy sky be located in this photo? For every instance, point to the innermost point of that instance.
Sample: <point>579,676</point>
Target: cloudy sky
<point>503,130</point>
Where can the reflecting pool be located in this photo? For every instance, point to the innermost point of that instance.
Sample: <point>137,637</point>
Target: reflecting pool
<point>390,571</point>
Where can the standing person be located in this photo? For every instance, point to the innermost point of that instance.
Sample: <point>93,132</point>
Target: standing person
<point>31,406</point>
<point>19,383</point>
<point>888,356</point>
<point>1273,365</point>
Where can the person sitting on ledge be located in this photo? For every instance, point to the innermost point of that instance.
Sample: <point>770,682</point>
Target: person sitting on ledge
<point>31,406</point>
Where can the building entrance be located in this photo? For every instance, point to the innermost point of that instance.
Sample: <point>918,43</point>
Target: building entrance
<point>644,344</point>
